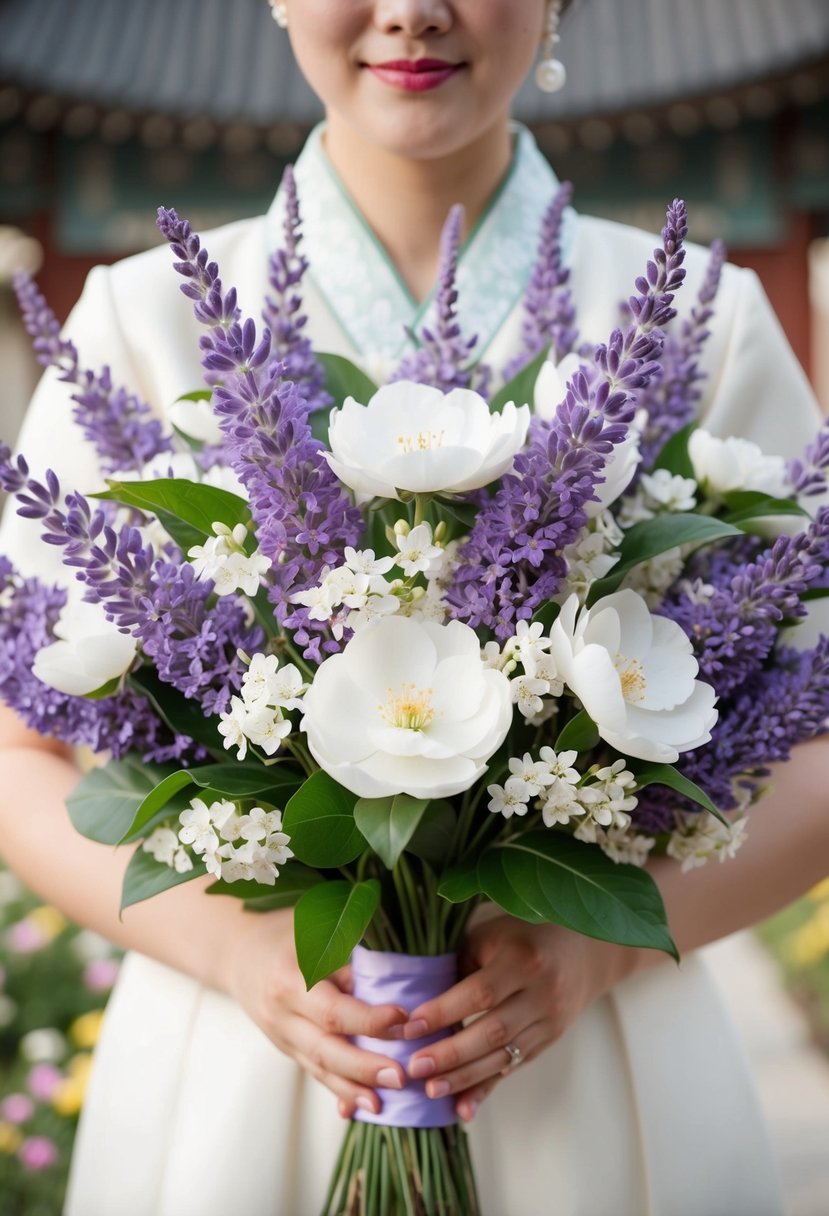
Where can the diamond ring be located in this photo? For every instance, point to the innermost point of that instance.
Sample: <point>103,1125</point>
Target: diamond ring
<point>515,1056</point>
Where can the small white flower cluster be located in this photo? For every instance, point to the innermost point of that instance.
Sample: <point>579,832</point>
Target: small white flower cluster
<point>700,837</point>
<point>601,799</point>
<point>530,649</point>
<point>658,492</point>
<point>352,595</point>
<point>257,715</point>
<point>223,559</point>
<point>652,578</point>
<point>232,845</point>
<point>593,555</point>
<point>622,846</point>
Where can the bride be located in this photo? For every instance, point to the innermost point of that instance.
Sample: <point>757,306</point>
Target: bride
<point>219,1083</point>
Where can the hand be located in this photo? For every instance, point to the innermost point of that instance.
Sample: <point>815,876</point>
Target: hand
<point>311,1027</point>
<point>528,983</point>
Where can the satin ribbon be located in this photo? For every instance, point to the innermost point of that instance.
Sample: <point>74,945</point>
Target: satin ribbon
<point>385,978</point>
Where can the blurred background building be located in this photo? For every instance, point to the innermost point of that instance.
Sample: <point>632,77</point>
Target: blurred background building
<point>108,109</point>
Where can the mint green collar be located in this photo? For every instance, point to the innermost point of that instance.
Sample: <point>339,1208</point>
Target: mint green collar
<point>362,287</point>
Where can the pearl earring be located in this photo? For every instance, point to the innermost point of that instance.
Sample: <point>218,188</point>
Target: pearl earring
<point>279,12</point>
<point>551,74</point>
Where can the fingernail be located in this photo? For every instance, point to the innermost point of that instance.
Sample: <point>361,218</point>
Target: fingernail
<point>342,1108</point>
<point>438,1089</point>
<point>424,1066</point>
<point>389,1078</point>
<point>416,1029</point>
<point>365,1103</point>
<point>469,1110</point>
<point>398,1031</point>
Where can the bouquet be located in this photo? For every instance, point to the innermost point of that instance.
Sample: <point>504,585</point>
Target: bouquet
<point>383,653</point>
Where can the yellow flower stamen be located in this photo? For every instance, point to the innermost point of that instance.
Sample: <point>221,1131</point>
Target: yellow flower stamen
<point>632,678</point>
<point>421,441</point>
<point>409,708</point>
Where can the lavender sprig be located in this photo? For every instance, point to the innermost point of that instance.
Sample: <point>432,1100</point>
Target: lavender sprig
<point>193,643</point>
<point>549,313</point>
<point>443,355</point>
<point>512,563</point>
<point>282,313</point>
<point>302,515</point>
<point>734,629</point>
<point>672,398</point>
<point>809,474</point>
<point>118,424</point>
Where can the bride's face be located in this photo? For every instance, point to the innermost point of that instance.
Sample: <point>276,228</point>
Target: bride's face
<point>419,78</point>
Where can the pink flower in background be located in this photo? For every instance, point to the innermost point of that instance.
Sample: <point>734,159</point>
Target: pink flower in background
<point>43,1080</point>
<point>25,937</point>
<point>17,1108</point>
<point>100,974</point>
<point>37,1153</point>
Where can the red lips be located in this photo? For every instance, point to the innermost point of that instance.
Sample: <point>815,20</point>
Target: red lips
<point>414,75</point>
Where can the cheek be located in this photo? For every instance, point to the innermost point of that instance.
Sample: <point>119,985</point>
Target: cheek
<point>324,35</point>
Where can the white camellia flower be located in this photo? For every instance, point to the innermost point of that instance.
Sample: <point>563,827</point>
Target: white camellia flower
<point>551,384</point>
<point>721,465</point>
<point>417,439</point>
<point>90,651</point>
<point>635,675</point>
<point>407,707</point>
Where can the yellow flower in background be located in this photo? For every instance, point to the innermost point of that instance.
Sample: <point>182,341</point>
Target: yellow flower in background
<point>68,1097</point>
<point>49,921</point>
<point>85,1030</point>
<point>11,1138</point>
<point>809,944</point>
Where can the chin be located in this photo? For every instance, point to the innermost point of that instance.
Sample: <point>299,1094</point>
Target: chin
<point>424,135</point>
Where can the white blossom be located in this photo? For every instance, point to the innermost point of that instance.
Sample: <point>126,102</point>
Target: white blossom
<point>721,465</point>
<point>89,651</point>
<point>635,675</point>
<point>416,552</point>
<point>669,491</point>
<point>407,707</point>
<point>410,437</point>
<point>507,800</point>
<point>700,837</point>
<point>222,559</point>
<point>526,692</point>
<point>533,775</point>
<point>560,764</point>
<point>363,561</point>
<point>623,847</point>
<point>232,727</point>
<point>561,803</point>
<point>163,845</point>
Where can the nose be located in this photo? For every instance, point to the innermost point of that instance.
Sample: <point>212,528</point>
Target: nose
<point>413,17</point>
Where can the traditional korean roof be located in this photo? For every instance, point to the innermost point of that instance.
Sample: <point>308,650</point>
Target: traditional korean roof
<point>225,61</point>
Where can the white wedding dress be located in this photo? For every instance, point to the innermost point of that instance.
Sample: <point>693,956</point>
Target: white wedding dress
<point>645,1107</point>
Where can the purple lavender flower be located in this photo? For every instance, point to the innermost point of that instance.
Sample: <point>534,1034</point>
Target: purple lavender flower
<point>303,517</point>
<point>282,313</point>
<point>549,314</point>
<point>809,474</point>
<point>443,357</point>
<point>119,425</point>
<point>512,562</point>
<point>734,630</point>
<point>672,397</point>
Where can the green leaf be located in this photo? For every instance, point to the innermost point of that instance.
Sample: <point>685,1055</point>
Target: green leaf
<point>654,536</point>
<point>320,821</point>
<point>388,824</point>
<point>464,513</point>
<point>182,715</point>
<point>345,379</point>
<point>104,803</point>
<point>580,734</point>
<point>434,835</point>
<point>293,881</point>
<point>813,593</point>
<point>547,615</point>
<point>248,780</point>
<point>187,509</point>
<point>329,922</point>
<point>106,690</point>
<point>521,387</point>
<point>156,800</point>
<point>145,877</point>
<point>460,882</point>
<point>549,877</point>
<point>647,773</point>
<point>674,455</point>
<point>747,505</point>
<point>198,394</point>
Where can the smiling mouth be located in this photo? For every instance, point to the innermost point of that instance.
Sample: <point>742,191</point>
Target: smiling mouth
<point>414,75</point>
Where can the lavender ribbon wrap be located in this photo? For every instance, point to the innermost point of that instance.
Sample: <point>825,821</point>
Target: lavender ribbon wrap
<point>381,978</point>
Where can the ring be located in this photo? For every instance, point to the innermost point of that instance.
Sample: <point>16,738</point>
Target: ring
<point>515,1056</point>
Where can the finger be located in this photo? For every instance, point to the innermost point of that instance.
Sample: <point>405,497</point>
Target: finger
<point>495,1064</point>
<point>477,993</point>
<point>338,1013</point>
<point>349,1096</point>
<point>343,979</point>
<point>468,1103</point>
<point>480,1038</point>
<point>331,1053</point>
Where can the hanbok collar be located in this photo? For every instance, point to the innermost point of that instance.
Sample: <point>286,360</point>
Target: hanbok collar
<point>362,287</point>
